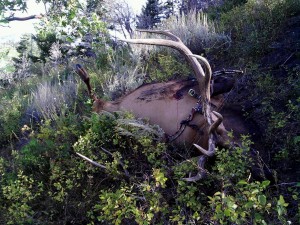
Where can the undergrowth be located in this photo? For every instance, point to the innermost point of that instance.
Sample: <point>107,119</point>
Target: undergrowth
<point>255,25</point>
<point>138,177</point>
<point>139,180</point>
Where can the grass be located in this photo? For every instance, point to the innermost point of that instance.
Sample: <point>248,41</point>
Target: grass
<point>52,99</point>
<point>197,32</point>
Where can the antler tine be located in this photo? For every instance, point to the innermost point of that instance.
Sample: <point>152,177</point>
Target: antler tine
<point>216,124</point>
<point>212,148</point>
<point>163,32</point>
<point>208,75</point>
<point>201,171</point>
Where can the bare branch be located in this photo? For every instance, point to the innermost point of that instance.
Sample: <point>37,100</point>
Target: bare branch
<point>91,161</point>
<point>13,18</point>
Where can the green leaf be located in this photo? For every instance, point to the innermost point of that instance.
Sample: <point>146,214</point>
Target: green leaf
<point>249,205</point>
<point>281,200</point>
<point>265,183</point>
<point>242,182</point>
<point>69,39</point>
<point>84,21</point>
<point>296,140</point>
<point>295,197</point>
<point>262,199</point>
<point>227,212</point>
<point>258,217</point>
<point>71,15</point>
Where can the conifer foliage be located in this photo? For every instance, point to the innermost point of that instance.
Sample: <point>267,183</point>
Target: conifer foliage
<point>150,16</point>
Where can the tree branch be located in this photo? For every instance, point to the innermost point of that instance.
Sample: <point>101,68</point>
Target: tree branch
<point>13,18</point>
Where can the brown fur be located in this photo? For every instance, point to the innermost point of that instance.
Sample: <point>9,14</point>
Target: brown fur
<point>160,104</point>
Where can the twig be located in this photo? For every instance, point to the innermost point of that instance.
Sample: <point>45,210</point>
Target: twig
<point>106,151</point>
<point>287,59</point>
<point>91,161</point>
<point>291,183</point>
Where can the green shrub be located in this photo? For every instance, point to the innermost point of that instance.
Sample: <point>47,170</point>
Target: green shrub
<point>255,24</point>
<point>19,198</point>
<point>164,67</point>
<point>277,115</point>
<point>11,111</point>
<point>240,200</point>
<point>140,181</point>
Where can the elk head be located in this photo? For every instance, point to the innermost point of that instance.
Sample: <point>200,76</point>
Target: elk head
<point>215,132</point>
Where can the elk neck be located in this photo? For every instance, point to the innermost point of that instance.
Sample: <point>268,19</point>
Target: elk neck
<point>100,104</point>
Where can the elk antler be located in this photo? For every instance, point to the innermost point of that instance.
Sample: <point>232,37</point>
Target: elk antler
<point>203,80</point>
<point>201,162</point>
<point>206,153</point>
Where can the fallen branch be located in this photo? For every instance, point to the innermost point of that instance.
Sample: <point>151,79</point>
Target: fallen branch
<point>13,18</point>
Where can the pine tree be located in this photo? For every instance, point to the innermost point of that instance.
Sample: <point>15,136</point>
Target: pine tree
<point>168,8</point>
<point>150,16</point>
<point>190,5</point>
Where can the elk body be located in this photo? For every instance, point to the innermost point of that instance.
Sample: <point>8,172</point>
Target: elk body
<point>170,106</point>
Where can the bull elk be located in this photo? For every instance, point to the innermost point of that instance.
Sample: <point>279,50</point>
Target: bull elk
<point>185,119</point>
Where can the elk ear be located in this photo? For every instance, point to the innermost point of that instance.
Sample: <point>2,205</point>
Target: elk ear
<point>86,79</point>
<point>82,73</point>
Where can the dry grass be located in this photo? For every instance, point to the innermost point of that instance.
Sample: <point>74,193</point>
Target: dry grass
<point>197,32</point>
<point>53,99</point>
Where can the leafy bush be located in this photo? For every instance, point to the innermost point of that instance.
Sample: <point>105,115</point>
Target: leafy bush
<point>255,24</point>
<point>278,114</point>
<point>19,196</point>
<point>139,179</point>
<point>11,112</point>
<point>240,201</point>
